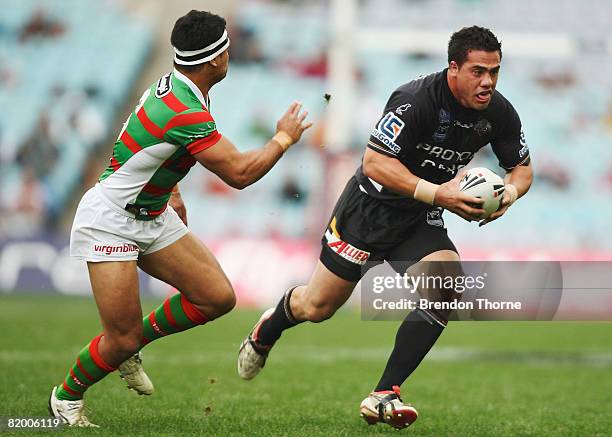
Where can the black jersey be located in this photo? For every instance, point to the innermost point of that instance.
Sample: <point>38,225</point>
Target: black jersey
<point>431,134</point>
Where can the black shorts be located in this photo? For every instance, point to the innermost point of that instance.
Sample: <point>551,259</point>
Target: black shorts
<point>364,232</point>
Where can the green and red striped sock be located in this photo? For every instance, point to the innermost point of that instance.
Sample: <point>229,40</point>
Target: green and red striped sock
<point>88,369</point>
<point>176,314</point>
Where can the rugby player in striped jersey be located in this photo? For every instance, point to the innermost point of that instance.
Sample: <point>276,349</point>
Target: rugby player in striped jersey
<point>134,216</point>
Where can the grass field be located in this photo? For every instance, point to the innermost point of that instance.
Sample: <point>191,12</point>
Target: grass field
<point>481,379</point>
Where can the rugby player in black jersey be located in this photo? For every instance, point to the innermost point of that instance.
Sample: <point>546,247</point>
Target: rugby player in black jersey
<point>391,209</point>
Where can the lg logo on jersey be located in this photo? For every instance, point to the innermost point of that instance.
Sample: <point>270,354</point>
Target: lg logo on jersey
<point>391,126</point>
<point>387,131</point>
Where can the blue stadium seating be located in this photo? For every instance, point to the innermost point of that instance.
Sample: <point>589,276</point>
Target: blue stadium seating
<point>86,55</point>
<point>563,126</point>
<point>549,117</point>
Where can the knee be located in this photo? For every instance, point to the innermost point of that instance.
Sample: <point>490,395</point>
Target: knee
<point>222,302</point>
<point>226,301</point>
<point>318,311</point>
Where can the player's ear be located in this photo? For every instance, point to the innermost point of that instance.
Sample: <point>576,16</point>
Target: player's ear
<point>216,61</point>
<point>453,67</point>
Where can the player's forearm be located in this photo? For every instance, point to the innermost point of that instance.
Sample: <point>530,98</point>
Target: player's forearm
<point>253,165</point>
<point>391,174</point>
<point>521,177</point>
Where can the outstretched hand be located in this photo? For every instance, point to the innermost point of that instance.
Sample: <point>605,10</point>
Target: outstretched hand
<point>293,123</point>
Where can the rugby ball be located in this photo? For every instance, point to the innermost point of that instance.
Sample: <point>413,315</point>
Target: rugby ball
<point>483,183</point>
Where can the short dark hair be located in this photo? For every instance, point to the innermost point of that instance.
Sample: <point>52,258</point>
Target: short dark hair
<point>194,31</point>
<point>471,38</point>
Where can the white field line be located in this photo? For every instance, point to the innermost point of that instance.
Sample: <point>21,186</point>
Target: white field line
<point>325,355</point>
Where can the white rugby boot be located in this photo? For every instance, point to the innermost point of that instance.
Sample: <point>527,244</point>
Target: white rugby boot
<point>133,374</point>
<point>252,356</point>
<point>388,407</point>
<point>70,412</point>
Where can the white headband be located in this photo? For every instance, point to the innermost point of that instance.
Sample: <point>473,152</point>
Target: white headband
<point>194,57</point>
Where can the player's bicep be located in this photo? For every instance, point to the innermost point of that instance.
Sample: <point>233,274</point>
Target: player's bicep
<point>380,166</point>
<point>510,147</point>
<point>374,158</point>
<point>221,158</point>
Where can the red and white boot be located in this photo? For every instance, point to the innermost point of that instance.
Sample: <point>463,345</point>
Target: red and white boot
<point>387,407</point>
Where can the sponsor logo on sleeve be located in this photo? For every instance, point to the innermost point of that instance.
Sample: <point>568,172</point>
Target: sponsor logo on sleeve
<point>203,132</point>
<point>121,249</point>
<point>388,130</point>
<point>525,149</point>
<point>164,86</point>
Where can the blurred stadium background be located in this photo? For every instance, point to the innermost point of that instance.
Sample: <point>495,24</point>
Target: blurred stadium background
<point>72,70</point>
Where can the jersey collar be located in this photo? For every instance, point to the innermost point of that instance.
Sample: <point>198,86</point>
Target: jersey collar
<point>193,87</point>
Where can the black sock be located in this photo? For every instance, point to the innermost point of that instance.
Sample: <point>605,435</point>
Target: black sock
<point>415,337</point>
<point>281,319</point>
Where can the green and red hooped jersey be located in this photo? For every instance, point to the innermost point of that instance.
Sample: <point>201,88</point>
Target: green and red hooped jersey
<point>155,147</point>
